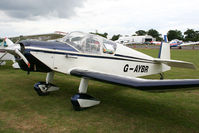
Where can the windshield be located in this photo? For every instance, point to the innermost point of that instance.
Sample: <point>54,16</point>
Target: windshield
<point>90,43</point>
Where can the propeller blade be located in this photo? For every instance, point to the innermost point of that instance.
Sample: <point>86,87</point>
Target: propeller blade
<point>22,57</point>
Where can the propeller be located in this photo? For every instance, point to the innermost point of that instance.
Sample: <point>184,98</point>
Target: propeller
<point>22,57</point>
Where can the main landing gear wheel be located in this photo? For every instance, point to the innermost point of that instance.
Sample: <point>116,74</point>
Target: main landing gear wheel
<point>83,101</point>
<point>43,89</point>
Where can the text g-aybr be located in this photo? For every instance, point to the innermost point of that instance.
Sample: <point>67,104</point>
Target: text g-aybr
<point>136,69</point>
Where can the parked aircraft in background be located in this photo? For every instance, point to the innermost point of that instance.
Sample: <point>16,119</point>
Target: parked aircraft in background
<point>4,55</point>
<point>93,57</point>
<point>175,43</point>
<point>126,40</point>
<point>4,42</point>
<point>179,43</point>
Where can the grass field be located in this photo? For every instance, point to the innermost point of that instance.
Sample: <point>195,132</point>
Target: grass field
<point>122,109</point>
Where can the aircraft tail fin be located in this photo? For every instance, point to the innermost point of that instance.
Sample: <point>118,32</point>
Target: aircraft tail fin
<point>164,52</point>
<point>5,42</point>
<point>165,57</point>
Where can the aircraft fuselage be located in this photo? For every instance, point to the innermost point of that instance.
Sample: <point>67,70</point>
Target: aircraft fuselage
<point>62,57</point>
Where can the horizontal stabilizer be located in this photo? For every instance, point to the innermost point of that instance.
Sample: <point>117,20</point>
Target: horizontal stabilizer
<point>175,63</point>
<point>142,84</point>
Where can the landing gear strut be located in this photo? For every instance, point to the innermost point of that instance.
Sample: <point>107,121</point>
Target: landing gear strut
<point>161,76</point>
<point>82,100</point>
<point>43,88</point>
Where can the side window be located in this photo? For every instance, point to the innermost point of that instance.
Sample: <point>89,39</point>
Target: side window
<point>76,41</point>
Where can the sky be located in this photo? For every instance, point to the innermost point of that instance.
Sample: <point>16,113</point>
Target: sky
<point>29,17</point>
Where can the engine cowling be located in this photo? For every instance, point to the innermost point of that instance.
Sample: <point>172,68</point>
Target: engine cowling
<point>35,64</point>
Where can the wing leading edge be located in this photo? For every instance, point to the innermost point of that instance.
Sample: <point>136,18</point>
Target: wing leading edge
<point>138,83</point>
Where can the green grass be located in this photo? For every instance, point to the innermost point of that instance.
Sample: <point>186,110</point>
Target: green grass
<point>122,109</point>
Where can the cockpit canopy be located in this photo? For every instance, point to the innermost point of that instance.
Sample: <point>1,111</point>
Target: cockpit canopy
<point>90,43</point>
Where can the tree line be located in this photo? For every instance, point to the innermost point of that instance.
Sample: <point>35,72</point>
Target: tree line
<point>188,35</point>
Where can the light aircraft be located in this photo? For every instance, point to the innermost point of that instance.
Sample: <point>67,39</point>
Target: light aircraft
<point>178,43</point>
<point>175,43</point>
<point>93,57</point>
<point>4,55</point>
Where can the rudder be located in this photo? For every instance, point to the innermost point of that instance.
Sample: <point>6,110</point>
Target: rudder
<point>164,52</point>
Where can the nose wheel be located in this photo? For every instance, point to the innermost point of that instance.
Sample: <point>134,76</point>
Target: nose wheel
<point>43,88</point>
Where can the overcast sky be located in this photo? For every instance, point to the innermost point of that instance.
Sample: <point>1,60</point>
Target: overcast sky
<point>27,17</point>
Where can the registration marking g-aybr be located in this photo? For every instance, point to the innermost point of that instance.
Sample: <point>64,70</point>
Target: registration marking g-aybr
<point>136,69</point>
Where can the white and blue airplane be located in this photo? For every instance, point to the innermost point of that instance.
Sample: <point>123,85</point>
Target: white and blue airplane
<point>90,56</point>
<point>176,43</point>
<point>179,43</point>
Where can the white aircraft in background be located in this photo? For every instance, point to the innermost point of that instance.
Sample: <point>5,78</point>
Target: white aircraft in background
<point>4,55</point>
<point>4,42</point>
<point>93,57</point>
<point>175,43</point>
<point>179,43</point>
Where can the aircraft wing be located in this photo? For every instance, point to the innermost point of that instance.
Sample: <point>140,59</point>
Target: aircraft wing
<point>190,43</point>
<point>138,83</point>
